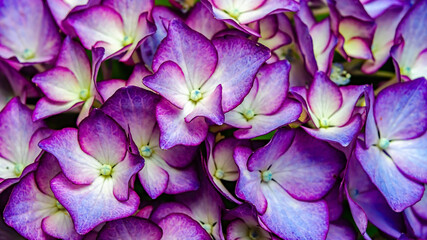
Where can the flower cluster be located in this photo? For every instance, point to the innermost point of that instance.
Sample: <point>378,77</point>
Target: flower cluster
<point>219,119</point>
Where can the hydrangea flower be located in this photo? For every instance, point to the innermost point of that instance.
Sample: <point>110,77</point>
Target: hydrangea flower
<point>18,145</point>
<point>240,13</point>
<point>259,113</point>
<point>68,85</point>
<point>123,27</point>
<point>331,109</point>
<point>393,154</point>
<point>410,50</point>
<point>285,181</point>
<point>33,209</point>
<point>165,171</point>
<point>21,34</point>
<point>97,168</point>
<point>200,81</point>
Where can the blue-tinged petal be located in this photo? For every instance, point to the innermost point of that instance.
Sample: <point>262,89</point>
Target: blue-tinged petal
<point>400,111</point>
<point>90,205</point>
<point>399,191</point>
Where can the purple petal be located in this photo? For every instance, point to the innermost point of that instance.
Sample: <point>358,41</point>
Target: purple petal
<point>27,208</point>
<point>201,20</point>
<point>308,169</point>
<point>209,107</point>
<point>130,228</point>
<point>248,186</point>
<point>79,167</point>
<point>290,219</point>
<point>196,60</point>
<point>47,169</point>
<point>154,179</point>
<point>410,156</point>
<point>399,191</point>
<point>102,138</point>
<point>60,225</point>
<point>400,110</point>
<point>343,135</point>
<point>21,35</point>
<point>46,108</point>
<point>122,174</point>
<point>133,108</point>
<point>91,31</point>
<point>90,205</point>
<point>174,130</point>
<point>238,62</point>
<point>170,82</point>
<point>324,97</point>
<point>420,208</point>
<point>167,208</point>
<point>59,84</point>
<point>180,226</point>
<point>341,230</point>
<point>108,87</point>
<point>371,131</point>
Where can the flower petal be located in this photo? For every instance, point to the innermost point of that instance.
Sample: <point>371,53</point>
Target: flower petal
<point>122,174</point>
<point>154,179</point>
<point>209,107</point>
<point>60,225</point>
<point>130,228</point>
<point>201,20</point>
<point>90,205</point>
<point>79,167</point>
<point>180,226</point>
<point>102,138</point>
<point>58,84</point>
<point>46,108</point>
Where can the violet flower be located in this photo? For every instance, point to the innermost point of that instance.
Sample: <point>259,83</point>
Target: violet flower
<point>70,84</point>
<point>33,209</point>
<point>240,13</point>
<point>260,113</point>
<point>123,26</point>
<point>285,181</point>
<point>22,35</point>
<point>331,109</point>
<point>165,171</point>
<point>19,137</point>
<point>200,81</point>
<point>393,154</point>
<point>410,50</point>
<point>97,168</point>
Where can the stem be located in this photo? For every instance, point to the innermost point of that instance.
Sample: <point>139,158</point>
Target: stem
<point>385,84</point>
<point>106,70</point>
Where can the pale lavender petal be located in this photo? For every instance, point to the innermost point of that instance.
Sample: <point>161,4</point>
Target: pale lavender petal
<point>166,208</point>
<point>108,87</point>
<point>79,167</point>
<point>371,131</point>
<point>133,107</point>
<point>174,130</point>
<point>209,107</point>
<point>154,179</point>
<point>178,226</point>
<point>248,186</point>
<point>46,108</point>
<point>410,156</point>
<point>181,180</point>
<point>170,82</point>
<point>341,230</point>
<point>26,200</point>
<point>60,225</point>
<point>47,169</point>
<point>350,96</point>
<point>130,228</point>
<point>122,174</point>
<point>201,20</point>
<point>290,218</point>
<point>196,60</point>
<point>400,111</point>
<point>399,191</point>
<point>102,138</point>
<point>420,208</point>
<point>90,205</point>
<point>238,62</point>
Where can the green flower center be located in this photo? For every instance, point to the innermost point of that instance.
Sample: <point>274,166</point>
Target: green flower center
<point>127,40</point>
<point>248,114</point>
<point>106,170</point>
<point>59,206</point>
<point>383,143</point>
<point>266,176</point>
<point>338,75</point>
<point>28,54</point>
<point>253,234</point>
<point>219,173</point>
<point>324,123</point>
<point>19,167</point>
<point>196,95</point>
<point>84,94</point>
<point>208,227</point>
<point>145,151</point>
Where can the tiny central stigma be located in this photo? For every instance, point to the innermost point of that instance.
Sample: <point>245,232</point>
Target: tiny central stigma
<point>145,151</point>
<point>324,123</point>
<point>84,94</point>
<point>266,176</point>
<point>127,40</point>
<point>196,95</point>
<point>383,143</point>
<point>219,173</point>
<point>28,54</point>
<point>207,227</point>
<point>59,206</point>
<point>105,170</point>
<point>339,75</point>
<point>249,114</point>
<point>19,167</point>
